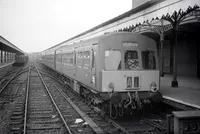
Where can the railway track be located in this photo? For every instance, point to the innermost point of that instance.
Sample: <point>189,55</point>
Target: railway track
<point>10,95</point>
<point>41,114</point>
<point>44,104</point>
<point>11,85</point>
<point>9,76</point>
<point>48,110</point>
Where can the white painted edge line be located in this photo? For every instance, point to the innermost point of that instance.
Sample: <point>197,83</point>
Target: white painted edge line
<point>182,102</point>
<point>6,65</point>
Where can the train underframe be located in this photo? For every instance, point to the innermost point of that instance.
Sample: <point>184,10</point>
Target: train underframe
<point>114,104</point>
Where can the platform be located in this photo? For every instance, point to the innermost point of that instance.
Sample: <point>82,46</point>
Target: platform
<point>188,92</point>
<point>2,65</point>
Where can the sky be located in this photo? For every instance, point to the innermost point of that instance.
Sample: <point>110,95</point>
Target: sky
<point>35,25</point>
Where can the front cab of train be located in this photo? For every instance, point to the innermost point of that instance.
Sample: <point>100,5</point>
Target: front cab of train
<point>131,74</point>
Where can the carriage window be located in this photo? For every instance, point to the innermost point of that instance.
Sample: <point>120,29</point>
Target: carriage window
<point>93,58</point>
<point>131,60</point>
<point>74,58</point>
<point>71,58</point>
<point>148,60</point>
<point>87,59</point>
<point>3,57</point>
<point>59,58</point>
<point>80,59</point>
<point>65,58</point>
<point>50,57</point>
<point>112,60</point>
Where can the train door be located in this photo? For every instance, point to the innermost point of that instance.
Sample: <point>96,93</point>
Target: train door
<point>93,78</point>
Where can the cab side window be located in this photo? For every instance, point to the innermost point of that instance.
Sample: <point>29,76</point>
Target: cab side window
<point>148,60</point>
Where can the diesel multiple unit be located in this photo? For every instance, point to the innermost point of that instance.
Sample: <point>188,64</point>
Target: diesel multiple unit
<point>118,69</point>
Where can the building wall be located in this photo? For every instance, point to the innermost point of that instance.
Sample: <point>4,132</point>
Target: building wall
<point>136,3</point>
<point>166,57</point>
<point>187,51</point>
<point>187,58</point>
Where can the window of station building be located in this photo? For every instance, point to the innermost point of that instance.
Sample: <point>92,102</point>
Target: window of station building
<point>5,56</point>
<point>131,60</point>
<point>148,60</point>
<point>112,60</point>
<point>86,59</point>
<point>8,58</point>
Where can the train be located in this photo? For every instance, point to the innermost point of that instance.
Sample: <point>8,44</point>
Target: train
<point>116,71</point>
<point>20,59</point>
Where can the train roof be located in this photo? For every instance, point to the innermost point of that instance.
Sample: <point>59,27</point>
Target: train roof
<point>101,37</point>
<point>51,50</point>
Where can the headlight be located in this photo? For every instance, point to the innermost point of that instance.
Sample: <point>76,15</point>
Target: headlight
<point>153,87</point>
<point>93,79</point>
<point>111,86</point>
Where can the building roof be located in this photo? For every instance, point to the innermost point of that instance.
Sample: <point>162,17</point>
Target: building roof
<point>9,45</point>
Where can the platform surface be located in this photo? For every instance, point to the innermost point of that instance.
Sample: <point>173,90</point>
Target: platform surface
<point>187,93</point>
<point>2,65</point>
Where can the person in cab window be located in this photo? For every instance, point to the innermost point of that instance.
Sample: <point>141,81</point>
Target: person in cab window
<point>132,61</point>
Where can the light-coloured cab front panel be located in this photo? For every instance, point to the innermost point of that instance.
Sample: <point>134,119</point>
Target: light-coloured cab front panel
<point>129,80</point>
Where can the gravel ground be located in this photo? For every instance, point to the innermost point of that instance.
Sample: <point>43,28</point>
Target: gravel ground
<point>5,112</point>
<point>7,108</point>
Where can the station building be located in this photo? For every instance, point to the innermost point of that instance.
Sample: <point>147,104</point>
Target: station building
<point>187,49</point>
<point>8,52</point>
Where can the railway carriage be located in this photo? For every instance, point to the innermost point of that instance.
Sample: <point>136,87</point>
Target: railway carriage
<point>119,68</point>
<point>20,59</point>
<point>48,58</point>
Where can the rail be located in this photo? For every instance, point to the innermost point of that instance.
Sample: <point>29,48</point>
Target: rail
<point>10,80</point>
<point>26,103</point>
<point>82,114</point>
<point>53,101</point>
